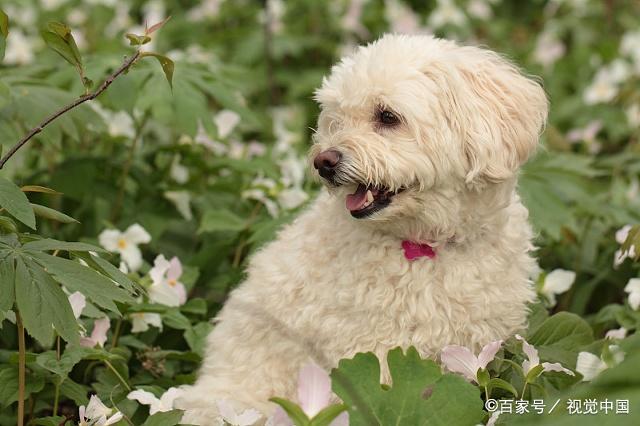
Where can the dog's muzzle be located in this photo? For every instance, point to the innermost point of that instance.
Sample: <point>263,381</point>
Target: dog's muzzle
<point>326,163</point>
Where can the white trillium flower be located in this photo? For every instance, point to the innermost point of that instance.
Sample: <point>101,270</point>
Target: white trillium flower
<point>461,360</point>
<point>480,9</point>
<point>140,321</point>
<point>618,333</point>
<point>556,282</point>
<point>98,414</point>
<point>533,360</point>
<point>633,288</point>
<point>156,405</point>
<point>179,172</point>
<point>165,288</point>
<point>126,243</point>
<point>230,416</point>
<point>603,88</point>
<point>548,49</point>
<point>98,335</point>
<point>226,120</point>
<point>590,365</point>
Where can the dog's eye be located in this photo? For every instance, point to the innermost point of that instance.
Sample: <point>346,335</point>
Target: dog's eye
<point>388,118</point>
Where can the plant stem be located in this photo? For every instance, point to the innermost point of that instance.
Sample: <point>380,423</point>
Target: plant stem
<point>122,380</point>
<point>21,368</point>
<point>486,393</point>
<point>82,99</point>
<point>56,399</point>
<point>116,333</point>
<point>524,388</point>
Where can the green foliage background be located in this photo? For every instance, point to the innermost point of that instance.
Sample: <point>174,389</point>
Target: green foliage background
<point>117,165</point>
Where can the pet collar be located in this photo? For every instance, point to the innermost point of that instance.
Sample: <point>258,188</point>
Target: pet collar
<point>413,250</point>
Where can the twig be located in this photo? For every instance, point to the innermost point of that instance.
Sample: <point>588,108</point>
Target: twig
<point>82,99</point>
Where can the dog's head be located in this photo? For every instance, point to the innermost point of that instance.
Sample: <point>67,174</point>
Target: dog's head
<point>407,116</point>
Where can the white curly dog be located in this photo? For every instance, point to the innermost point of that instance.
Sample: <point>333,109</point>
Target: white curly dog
<point>419,238</point>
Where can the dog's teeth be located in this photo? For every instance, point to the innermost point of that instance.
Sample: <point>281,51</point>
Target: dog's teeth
<point>369,198</point>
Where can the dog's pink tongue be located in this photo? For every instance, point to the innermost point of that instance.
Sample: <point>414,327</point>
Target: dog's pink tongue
<point>356,200</point>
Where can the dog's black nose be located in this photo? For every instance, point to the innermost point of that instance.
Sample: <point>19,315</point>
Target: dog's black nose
<point>326,163</point>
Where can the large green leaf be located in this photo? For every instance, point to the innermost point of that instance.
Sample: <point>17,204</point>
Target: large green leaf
<point>420,394</point>
<point>76,277</point>
<point>52,214</point>
<point>561,336</point>
<point>221,220</point>
<point>47,244</point>
<point>42,304</point>
<point>13,200</point>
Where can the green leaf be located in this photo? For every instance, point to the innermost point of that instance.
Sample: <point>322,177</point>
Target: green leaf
<point>4,24</point>
<point>502,384</point>
<point>561,336</point>
<point>196,337</point>
<point>420,394</point>
<point>4,32</point>
<point>166,64</point>
<point>293,410</point>
<point>7,280</point>
<point>49,213</point>
<point>59,38</point>
<point>104,266</point>
<point>196,306</point>
<point>137,40</point>
<point>327,415</point>
<point>220,220</point>
<point>9,388</point>
<point>174,319</point>
<point>13,200</point>
<point>42,304</point>
<point>167,418</point>
<point>533,374</point>
<point>49,361</point>
<point>50,421</point>
<point>75,391</point>
<point>47,244</point>
<point>8,225</point>
<point>38,188</point>
<point>76,277</point>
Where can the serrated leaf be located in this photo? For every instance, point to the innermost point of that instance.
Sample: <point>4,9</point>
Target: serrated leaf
<point>420,394</point>
<point>137,40</point>
<point>75,391</point>
<point>166,418</point>
<point>104,266</point>
<point>76,277</point>
<point>51,214</point>
<point>38,188</point>
<point>220,220</point>
<point>47,244</point>
<point>13,200</point>
<point>293,410</point>
<point>62,367</point>
<point>42,304</point>
<point>166,64</point>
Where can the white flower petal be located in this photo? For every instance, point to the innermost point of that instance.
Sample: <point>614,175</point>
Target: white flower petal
<point>488,353</point>
<point>460,360</point>
<point>619,333</point>
<point>132,256</point>
<point>226,121</point>
<point>159,269</point>
<point>78,303</point>
<point>136,234</point>
<point>589,366</point>
<point>558,281</point>
<point>556,366</point>
<point>109,239</point>
<point>143,397</point>
<point>531,352</point>
<point>314,389</point>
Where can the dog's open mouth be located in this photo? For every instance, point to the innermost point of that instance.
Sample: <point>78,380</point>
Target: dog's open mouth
<point>369,199</point>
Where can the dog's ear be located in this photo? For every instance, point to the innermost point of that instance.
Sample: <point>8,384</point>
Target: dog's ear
<point>502,114</point>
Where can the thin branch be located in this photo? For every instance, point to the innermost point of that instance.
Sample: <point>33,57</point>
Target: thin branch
<point>82,99</point>
<point>21,368</point>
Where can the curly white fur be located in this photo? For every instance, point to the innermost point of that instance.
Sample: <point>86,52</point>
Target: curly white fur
<point>331,285</point>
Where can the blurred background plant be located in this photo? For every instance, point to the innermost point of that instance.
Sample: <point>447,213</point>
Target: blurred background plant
<point>183,181</point>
